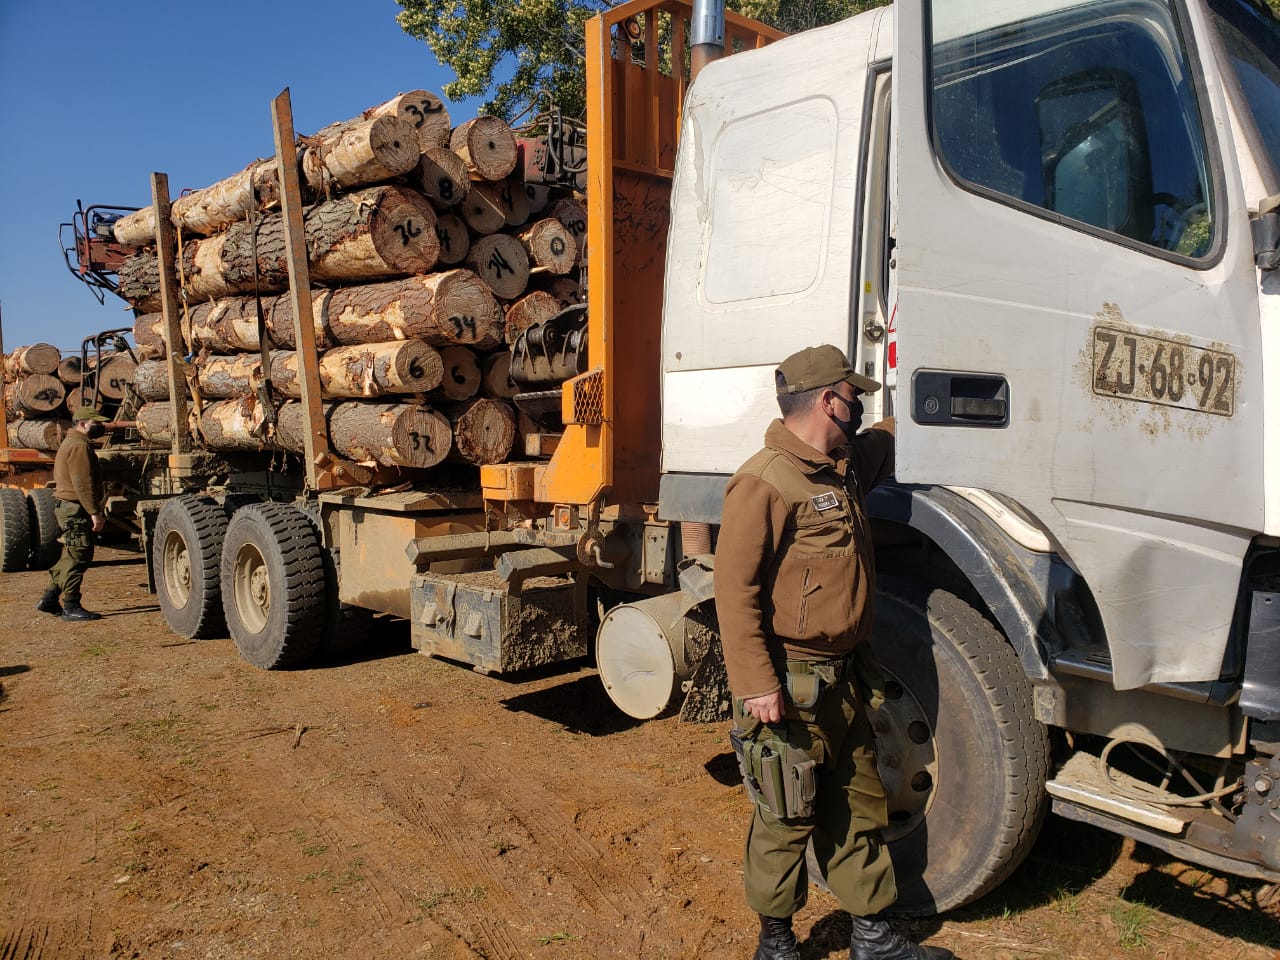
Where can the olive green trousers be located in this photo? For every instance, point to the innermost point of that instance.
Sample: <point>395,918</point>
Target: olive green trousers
<point>78,540</point>
<point>849,813</point>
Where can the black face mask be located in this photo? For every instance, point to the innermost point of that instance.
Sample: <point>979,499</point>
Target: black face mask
<point>95,430</point>
<point>851,426</point>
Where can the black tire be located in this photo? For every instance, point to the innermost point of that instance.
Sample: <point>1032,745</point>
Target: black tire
<point>15,531</point>
<point>273,585</point>
<point>346,628</point>
<point>43,525</point>
<point>963,758</point>
<point>186,553</point>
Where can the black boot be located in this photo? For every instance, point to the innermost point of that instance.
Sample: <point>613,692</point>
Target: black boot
<point>72,610</point>
<point>874,939</point>
<point>777,942</point>
<point>49,603</point>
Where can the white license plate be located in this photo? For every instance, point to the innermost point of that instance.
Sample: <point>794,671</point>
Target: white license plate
<point>1133,366</point>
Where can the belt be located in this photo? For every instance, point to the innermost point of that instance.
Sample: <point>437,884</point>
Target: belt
<point>837,665</point>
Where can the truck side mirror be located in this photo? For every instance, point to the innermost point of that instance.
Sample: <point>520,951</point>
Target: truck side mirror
<point>1265,225</point>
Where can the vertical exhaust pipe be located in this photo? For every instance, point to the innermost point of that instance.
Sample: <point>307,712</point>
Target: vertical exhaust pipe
<point>707,39</point>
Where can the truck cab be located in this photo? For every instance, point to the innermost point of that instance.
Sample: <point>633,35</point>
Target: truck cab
<point>1050,228</point>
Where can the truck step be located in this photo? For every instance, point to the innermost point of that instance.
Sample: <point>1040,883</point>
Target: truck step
<point>1081,781</point>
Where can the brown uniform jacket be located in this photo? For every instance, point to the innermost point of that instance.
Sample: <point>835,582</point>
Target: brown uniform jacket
<point>76,473</point>
<point>795,573</point>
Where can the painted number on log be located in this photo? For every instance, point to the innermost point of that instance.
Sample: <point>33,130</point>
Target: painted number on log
<point>576,226</point>
<point>408,231</point>
<point>1133,366</point>
<point>418,441</point>
<point>420,112</point>
<point>557,246</point>
<point>445,188</point>
<point>464,325</point>
<point>415,370</point>
<point>497,263</point>
<point>446,240</point>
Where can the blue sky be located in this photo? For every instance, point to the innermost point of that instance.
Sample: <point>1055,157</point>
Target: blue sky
<point>94,96</point>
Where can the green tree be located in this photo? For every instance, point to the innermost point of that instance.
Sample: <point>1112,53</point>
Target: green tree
<point>508,51</point>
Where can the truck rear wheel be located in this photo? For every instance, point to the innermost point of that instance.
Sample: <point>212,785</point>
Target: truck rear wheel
<point>186,552</point>
<point>44,531</point>
<point>273,585</point>
<point>15,530</point>
<point>963,759</point>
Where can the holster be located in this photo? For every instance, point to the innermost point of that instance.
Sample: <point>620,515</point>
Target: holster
<point>779,777</point>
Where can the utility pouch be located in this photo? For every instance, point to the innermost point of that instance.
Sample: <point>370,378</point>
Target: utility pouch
<point>805,689</point>
<point>801,786</point>
<point>73,533</point>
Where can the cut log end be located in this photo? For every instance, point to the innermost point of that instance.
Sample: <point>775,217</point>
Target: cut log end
<point>484,431</point>
<point>488,146</point>
<point>501,262</point>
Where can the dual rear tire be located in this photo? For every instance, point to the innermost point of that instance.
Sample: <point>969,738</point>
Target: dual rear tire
<point>259,576</point>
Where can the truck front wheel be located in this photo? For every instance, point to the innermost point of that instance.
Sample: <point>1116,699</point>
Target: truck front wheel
<point>962,757</point>
<point>273,585</point>
<point>185,553</point>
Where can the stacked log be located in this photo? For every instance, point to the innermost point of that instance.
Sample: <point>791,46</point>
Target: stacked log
<point>42,389</point>
<point>427,257</point>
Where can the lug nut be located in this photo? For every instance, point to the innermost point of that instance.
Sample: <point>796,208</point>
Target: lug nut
<point>1263,785</point>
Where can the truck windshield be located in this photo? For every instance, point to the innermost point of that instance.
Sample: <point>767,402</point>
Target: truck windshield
<point>1251,36</point>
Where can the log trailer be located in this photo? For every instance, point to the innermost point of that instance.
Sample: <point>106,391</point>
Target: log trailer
<point>1052,227</point>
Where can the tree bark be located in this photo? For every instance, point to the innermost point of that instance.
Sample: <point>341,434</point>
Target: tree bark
<point>495,376</point>
<point>461,379</point>
<point>501,263</point>
<point>37,358</point>
<point>373,233</point>
<point>365,370</point>
<point>155,422</point>
<point>455,241</point>
<point>390,434</point>
<point>488,147</point>
<point>228,325</point>
<point>550,246</point>
<point>532,308</point>
<point>484,431</point>
<point>357,153</point>
<point>234,376</point>
<point>148,338</point>
<point>151,380</point>
<point>228,425</point>
<point>37,434</point>
<point>217,206</point>
<point>444,177</point>
<point>137,229</point>
<point>138,281</point>
<point>36,395</point>
<point>574,216</point>
<point>440,309</point>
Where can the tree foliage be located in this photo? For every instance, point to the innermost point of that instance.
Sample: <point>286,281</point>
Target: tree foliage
<point>508,51</point>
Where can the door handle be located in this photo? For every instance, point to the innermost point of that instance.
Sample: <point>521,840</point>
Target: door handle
<point>949,399</point>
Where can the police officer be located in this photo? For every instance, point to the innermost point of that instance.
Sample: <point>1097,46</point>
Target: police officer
<point>78,490</point>
<point>794,582</point>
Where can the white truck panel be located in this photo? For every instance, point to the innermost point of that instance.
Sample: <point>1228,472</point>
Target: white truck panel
<point>762,233</point>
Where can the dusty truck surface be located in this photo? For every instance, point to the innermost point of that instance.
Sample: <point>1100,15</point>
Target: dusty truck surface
<point>1051,228</point>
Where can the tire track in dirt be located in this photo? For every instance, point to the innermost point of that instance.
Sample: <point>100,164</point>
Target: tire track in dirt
<point>586,867</point>
<point>444,824</point>
<point>36,933</point>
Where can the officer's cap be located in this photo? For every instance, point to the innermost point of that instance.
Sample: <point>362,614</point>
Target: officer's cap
<point>86,413</point>
<point>815,367</point>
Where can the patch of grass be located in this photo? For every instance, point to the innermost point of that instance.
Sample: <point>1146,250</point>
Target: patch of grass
<point>348,877</point>
<point>96,650</point>
<point>1132,920</point>
<point>314,849</point>
<point>1066,900</point>
<point>440,897</point>
<point>560,937</point>
<point>317,875</point>
<point>47,785</point>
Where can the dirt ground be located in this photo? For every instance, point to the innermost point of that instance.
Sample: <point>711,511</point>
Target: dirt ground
<point>164,799</point>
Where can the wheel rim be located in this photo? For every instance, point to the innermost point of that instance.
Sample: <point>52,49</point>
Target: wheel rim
<point>177,569</point>
<point>252,588</point>
<point>906,757</point>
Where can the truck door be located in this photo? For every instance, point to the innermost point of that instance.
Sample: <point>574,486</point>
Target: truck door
<point>1077,307</point>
